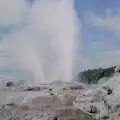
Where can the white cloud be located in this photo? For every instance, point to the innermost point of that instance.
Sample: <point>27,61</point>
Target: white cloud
<point>109,58</point>
<point>10,11</point>
<point>105,54</point>
<point>111,22</point>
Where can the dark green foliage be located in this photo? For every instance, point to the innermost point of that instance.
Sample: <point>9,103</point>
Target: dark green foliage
<point>92,76</point>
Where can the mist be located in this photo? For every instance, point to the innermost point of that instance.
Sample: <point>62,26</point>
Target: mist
<point>46,42</point>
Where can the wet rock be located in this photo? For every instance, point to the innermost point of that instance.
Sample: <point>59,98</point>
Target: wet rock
<point>24,107</point>
<point>12,104</point>
<point>73,87</point>
<point>28,89</point>
<point>105,117</point>
<point>118,114</point>
<point>32,89</point>
<point>93,109</point>
<point>9,84</point>
<point>117,69</point>
<point>77,87</point>
<point>50,89</point>
<point>109,91</point>
<point>51,93</point>
<point>36,88</point>
<point>117,108</point>
<point>55,118</point>
<point>64,89</point>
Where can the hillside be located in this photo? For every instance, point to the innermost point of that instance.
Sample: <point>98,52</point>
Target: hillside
<point>92,76</point>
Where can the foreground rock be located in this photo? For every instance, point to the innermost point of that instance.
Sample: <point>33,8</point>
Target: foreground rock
<point>20,114</point>
<point>103,102</point>
<point>64,113</point>
<point>72,113</point>
<point>45,107</point>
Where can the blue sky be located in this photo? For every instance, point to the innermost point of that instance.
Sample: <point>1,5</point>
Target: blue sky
<point>100,21</point>
<point>100,31</point>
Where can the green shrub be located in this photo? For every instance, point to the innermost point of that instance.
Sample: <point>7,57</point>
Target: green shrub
<point>93,75</point>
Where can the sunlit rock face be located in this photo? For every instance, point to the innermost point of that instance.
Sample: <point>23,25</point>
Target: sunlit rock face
<point>117,69</point>
<point>104,98</point>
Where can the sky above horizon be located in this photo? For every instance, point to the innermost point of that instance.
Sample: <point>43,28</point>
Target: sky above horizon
<point>100,27</point>
<point>100,20</point>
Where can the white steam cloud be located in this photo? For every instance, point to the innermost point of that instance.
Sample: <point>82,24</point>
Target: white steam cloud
<point>46,45</point>
<point>11,11</point>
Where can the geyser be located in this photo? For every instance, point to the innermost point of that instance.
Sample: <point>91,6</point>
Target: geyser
<point>46,44</point>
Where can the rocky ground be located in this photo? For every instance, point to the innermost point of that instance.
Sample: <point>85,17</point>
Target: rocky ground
<point>103,102</point>
<point>62,113</point>
<point>53,106</point>
<point>71,101</point>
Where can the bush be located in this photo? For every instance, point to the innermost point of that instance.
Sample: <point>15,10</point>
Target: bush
<point>92,76</point>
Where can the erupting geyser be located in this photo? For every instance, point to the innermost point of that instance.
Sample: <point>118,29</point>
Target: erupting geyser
<point>46,43</point>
